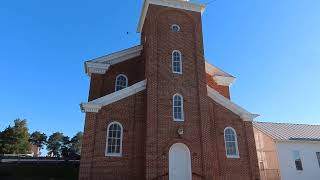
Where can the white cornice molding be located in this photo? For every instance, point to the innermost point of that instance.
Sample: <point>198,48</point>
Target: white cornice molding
<point>169,3</point>
<point>97,104</point>
<point>219,76</point>
<point>244,114</point>
<point>101,65</point>
<point>97,68</point>
<point>223,80</point>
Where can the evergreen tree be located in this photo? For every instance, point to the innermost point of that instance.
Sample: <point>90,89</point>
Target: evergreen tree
<point>38,139</point>
<point>54,144</point>
<point>14,140</point>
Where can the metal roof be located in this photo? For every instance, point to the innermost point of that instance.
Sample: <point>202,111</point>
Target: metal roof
<point>289,132</point>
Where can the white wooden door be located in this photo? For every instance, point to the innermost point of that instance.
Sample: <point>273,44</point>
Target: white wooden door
<point>179,162</point>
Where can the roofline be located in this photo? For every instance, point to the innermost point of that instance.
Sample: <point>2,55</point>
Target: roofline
<point>197,7</point>
<point>262,130</point>
<point>294,141</point>
<point>217,97</point>
<point>97,104</point>
<point>101,64</point>
<point>222,80</point>
<point>288,123</point>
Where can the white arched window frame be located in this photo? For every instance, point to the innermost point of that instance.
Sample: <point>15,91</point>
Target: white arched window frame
<point>176,62</point>
<point>177,107</point>
<point>114,139</point>
<point>231,143</point>
<point>121,82</point>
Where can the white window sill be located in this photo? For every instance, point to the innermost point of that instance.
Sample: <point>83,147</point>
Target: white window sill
<point>178,120</point>
<point>113,155</point>
<point>233,157</point>
<point>177,72</point>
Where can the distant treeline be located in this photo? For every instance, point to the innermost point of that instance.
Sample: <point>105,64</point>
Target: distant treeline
<point>17,140</point>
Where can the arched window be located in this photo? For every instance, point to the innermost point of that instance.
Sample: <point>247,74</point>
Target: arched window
<point>121,82</point>
<point>231,143</point>
<point>114,139</point>
<point>176,62</point>
<point>178,108</point>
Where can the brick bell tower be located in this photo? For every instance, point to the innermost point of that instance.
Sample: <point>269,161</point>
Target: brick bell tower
<point>169,26</point>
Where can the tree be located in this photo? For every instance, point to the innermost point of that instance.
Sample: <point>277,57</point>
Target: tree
<point>71,148</point>
<point>65,149</point>
<point>38,139</point>
<point>54,144</point>
<point>14,140</point>
<point>76,143</point>
<point>7,141</point>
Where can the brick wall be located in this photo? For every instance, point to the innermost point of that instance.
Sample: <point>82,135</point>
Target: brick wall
<point>223,90</point>
<point>243,168</point>
<point>102,85</point>
<point>130,112</point>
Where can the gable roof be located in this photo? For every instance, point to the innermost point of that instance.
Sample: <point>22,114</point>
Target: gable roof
<point>101,64</point>
<point>218,98</point>
<point>180,4</point>
<point>221,78</point>
<point>289,132</point>
<point>97,104</point>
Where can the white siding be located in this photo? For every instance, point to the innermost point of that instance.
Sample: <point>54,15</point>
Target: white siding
<point>311,169</point>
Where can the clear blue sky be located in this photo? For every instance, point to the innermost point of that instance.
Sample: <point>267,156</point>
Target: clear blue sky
<point>271,46</point>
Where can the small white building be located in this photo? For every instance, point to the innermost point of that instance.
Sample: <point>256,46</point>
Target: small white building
<point>288,151</point>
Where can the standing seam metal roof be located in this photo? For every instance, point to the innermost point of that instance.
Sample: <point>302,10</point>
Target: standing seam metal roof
<point>286,131</point>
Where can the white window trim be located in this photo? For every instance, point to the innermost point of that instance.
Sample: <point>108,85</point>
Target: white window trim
<point>176,25</point>
<point>106,151</point>
<point>115,85</point>
<point>236,140</point>
<point>172,60</point>
<point>182,108</point>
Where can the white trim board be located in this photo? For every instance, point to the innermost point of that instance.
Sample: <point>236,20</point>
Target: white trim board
<point>179,4</point>
<point>101,65</point>
<point>244,114</point>
<point>97,104</point>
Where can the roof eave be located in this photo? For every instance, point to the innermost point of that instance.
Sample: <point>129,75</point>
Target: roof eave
<point>169,3</point>
<point>101,65</point>
<point>97,104</point>
<point>242,113</point>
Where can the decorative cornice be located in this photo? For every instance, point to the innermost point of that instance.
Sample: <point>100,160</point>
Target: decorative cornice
<point>97,104</point>
<point>244,114</point>
<point>101,65</point>
<point>223,80</point>
<point>97,68</point>
<point>219,76</point>
<point>169,3</point>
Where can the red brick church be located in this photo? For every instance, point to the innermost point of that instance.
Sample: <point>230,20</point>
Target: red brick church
<point>159,110</point>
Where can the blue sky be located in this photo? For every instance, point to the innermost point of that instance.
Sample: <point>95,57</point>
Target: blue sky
<point>271,46</point>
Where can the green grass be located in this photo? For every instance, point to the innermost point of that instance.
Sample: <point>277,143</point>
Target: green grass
<point>34,171</point>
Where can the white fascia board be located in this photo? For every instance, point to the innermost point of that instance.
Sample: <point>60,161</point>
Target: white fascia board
<point>97,104</point>
<point>217,97</point>
<point>185,5</point>
<point>102,64</point>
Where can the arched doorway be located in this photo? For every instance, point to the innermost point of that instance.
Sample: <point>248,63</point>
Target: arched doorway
<point>179,162</point>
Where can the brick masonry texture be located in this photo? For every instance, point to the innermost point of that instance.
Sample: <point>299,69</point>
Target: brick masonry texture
<point>149,129</point>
